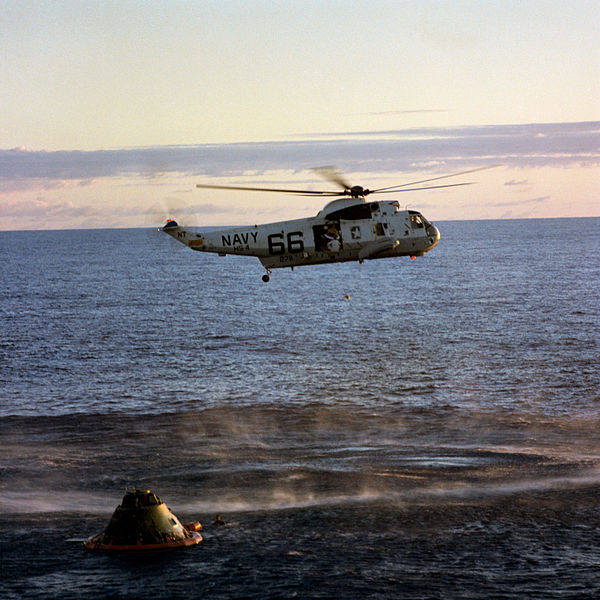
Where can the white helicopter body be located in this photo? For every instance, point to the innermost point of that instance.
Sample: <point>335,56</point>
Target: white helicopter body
<point>344,230</point>
<point>347,228</point>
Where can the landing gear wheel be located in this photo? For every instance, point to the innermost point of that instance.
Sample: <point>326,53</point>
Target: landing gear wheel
<point>265,278</point>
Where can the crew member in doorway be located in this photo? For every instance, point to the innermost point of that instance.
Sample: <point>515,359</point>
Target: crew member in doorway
<point>332,239</point>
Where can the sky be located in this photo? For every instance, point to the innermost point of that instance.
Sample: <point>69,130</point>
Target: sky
<point>111,112</point>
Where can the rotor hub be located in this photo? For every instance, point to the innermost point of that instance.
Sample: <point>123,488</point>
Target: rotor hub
<point>358,191</point>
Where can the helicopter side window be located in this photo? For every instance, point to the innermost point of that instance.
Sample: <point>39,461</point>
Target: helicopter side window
<point>351,213</point>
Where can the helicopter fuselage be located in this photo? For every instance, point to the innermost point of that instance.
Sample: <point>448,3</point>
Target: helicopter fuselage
<point>344,230</point>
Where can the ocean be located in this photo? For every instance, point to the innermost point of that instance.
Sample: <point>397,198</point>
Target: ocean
<point>423,428</point>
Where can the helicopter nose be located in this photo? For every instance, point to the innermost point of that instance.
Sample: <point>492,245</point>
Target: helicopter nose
<point>433,233</point>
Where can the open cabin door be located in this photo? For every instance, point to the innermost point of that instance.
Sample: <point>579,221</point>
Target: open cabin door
<point>328,237</point>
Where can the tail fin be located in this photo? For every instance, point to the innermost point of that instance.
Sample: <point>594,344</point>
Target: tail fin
<point>188,238</point>
<point>170,225</point>
<point>176,232</point>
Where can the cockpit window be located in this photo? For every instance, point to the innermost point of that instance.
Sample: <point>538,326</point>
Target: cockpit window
<point>416,221</point>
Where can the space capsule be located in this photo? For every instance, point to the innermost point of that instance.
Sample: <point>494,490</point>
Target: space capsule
<point>144,523</point>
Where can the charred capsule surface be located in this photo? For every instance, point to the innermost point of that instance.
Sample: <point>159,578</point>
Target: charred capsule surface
<point>143,522</point>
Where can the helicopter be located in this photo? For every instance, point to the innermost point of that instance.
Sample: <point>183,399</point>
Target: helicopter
<point>348,228</point>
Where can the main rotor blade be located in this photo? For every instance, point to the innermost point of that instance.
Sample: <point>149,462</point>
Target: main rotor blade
<point>435,178</point>
<point>258,189</point>
<point>429,187</point>
<point>332,174</point>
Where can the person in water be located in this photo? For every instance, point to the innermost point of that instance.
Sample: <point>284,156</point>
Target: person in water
<point>219,521</point>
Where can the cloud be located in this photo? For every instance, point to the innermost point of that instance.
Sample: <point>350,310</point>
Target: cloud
<point>42,208</point>
<point>10,186</point>
<point>538,200</point>
<point>138,186</point>
<point>562,144</point>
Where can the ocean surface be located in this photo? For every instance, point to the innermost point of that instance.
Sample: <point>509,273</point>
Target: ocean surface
<point>397,429</point>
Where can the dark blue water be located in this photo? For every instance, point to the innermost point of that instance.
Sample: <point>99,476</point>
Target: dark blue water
<point>434,436</point>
